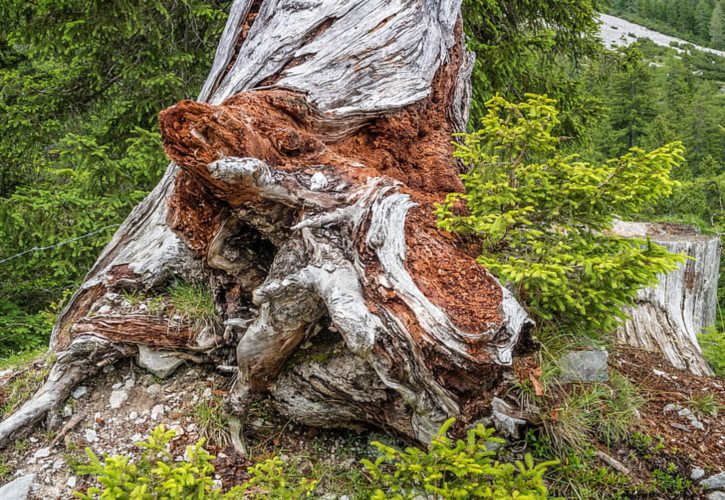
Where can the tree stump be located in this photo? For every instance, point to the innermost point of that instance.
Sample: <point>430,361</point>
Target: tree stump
<point>668,317</point>
<point>301,191</point>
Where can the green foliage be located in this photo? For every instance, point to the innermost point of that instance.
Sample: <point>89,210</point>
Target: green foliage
<point>212,420</point>
<point>193,302</point>
<point>22,386</point>
<point>542,215</point>
<point>271,479</point>
<point>670,481</point>
<point>155,474</point>
<point>707,404</point>
<point>22,331</point>
<point>579,474</point>
<point>455,469</point>
<point>698,21</point>
<point>81,83</point>
<point>525,46</point>
<point>602,411</point>
<point>712,343</point>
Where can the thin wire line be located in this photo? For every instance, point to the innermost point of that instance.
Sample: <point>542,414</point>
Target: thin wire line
<point>41,249</point>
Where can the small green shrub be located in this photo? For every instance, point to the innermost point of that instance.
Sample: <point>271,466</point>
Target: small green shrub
<point>542,215</point>
<point>155,475</point>
<point>270,479</point>
<point>670,481</point>
<point>455,469</point>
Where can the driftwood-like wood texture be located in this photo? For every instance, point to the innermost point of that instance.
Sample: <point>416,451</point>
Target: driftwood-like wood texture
<point>668,317</point>
<point>301,190</point>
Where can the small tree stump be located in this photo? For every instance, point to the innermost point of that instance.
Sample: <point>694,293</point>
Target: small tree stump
<point>668,317</point>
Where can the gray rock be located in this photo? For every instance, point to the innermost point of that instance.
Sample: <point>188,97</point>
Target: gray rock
<point>696,473</point>
<point>715,495</point>
<point>18,489</point>
<point>91,435</point>
<point>157,412</point>
<point>117,398</point>
<point>584,366</point>
<point>79,391</point>
<point>160,364</point>
<point>42,453</point>
<point>714,482</point>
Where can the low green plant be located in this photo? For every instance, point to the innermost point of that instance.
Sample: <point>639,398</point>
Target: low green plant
<point>155,474</point>
<point>670,481</point>
<point>712,343</point>
<point>602,411</point>
<point>463,468</point>
<point>193,302</point>
<point>542,215</point>
<point>707,404</point>
<point>212,420</point>
<point>5,469</point>
<point>20,388</point>
<point>271,479</point>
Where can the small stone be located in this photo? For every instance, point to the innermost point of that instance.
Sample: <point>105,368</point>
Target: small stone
<point>659,373</point>
<point>318,181</point>
<point>72,481</point>
<point>153,389</point>
<point>67,411</point>
<point>117,385</point>
<point>104,309</point>
<point>585,366</point>
<point>715,495</point>
<point>57,464</point>
<point>33,440</point>
<point>42,453</point>
<point>18,489</point>
<point>129,383</point>
<point>671,407</point>
<point>696,473</point>
<point>178,429</point>
<point>160,364</point>
<point>680,426</point>
<point>697,424</point>
<point>117,398</point>
<point>90,435</point>
<point>79,391</point>
<point>207,393</point>
<point>191,427</point>
<point>133,415</point>
<point>109,368</point>
<point>714,482</point>
<point>157,411</point>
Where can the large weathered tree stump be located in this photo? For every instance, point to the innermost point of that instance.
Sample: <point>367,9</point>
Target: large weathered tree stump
<point>301,190</point>
<point>668,317</point>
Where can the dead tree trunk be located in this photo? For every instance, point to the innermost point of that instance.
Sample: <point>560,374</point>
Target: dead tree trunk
<point>668,317</point>
<point>301,190</point>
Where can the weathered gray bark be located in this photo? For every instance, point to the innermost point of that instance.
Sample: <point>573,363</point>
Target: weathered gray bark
<point>302,190</point>
<point>668,317</point>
